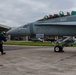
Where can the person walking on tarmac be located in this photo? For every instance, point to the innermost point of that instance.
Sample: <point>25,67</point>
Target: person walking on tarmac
<point>2,38</point>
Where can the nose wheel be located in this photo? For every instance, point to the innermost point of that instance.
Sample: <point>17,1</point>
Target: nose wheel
<point>58,49</point>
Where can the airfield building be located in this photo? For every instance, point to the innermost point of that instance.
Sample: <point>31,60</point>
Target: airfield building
<point>4,28</point>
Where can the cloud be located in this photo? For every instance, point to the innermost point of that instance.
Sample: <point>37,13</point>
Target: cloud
<point>19,12</point>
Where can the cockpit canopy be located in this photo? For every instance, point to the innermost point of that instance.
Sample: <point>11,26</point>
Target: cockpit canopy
<point>24,26</point>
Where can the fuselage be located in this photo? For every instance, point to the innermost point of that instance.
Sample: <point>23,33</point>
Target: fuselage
<point>61,26</point>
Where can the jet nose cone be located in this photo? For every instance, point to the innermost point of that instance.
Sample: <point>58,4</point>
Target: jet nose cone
<point>10,32</point>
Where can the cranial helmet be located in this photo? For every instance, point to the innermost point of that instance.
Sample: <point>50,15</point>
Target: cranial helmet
<point>3,32</point>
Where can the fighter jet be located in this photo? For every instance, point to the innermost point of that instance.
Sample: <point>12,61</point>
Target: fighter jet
<point>56,25</point>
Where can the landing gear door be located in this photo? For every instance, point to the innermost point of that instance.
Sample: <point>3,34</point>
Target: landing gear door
<point>39,35</point>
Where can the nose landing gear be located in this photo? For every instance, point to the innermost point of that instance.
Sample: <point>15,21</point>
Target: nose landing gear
<point>58,49</point>
<point>66,41</point>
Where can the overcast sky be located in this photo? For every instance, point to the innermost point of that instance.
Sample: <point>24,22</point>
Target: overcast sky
<point>20,12</point>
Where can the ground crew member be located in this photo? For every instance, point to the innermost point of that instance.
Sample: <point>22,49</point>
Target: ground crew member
<point>2,38</point>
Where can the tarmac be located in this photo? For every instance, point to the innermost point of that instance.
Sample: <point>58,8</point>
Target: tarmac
<point>37,60</point>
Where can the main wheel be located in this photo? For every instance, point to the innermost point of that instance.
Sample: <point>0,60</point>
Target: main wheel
<point>58,49</point>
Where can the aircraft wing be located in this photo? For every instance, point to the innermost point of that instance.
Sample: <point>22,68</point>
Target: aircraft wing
<point>57,23</point>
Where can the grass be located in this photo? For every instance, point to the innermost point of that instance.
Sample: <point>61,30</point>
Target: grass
<point>34,43</point>
<point>29,43</point>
